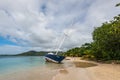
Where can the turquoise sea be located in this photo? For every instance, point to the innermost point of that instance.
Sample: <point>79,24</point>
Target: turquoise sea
<point>29,68</point>
<point>16,63</point>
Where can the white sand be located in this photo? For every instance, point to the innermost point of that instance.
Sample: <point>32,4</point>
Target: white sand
<point>100,72</point>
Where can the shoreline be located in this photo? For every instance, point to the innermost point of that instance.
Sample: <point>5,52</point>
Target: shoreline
<point>70,69</point>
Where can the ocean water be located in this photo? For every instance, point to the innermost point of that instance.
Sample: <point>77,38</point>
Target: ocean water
<point>32,68</point>
<point>28,68</point>
<point>17,63</point>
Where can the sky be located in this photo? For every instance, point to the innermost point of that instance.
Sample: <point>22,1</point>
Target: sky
<point>41,24</point>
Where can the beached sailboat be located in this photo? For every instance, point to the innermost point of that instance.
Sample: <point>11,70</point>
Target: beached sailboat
<point>54,58</point>
<point>51,57</point>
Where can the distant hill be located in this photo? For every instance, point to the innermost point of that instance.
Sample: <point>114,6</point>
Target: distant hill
<point>32,53</point>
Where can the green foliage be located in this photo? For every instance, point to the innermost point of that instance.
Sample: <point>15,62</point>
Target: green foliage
<point>73,52</point>
<point>78,52</point>
<point>107,40</point>
<point>105,45</point>
<point>117,5</point>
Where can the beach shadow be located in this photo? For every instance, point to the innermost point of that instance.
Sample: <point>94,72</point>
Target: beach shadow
<point>84,64</point>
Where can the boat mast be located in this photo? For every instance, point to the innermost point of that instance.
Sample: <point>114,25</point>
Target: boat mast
<point>61,44</point>
<point>63,39</point>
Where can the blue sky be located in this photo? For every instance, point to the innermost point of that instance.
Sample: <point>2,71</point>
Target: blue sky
<point>40,24</point>
<point>4,41</point>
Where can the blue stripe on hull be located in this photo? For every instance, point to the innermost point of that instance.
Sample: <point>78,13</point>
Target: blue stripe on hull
<point>54,58</point>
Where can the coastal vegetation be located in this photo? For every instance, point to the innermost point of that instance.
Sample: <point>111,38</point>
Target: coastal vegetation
<point>105,45</point>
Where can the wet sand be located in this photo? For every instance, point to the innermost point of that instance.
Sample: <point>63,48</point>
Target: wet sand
<point>32,74</point>
<point>70,69</point>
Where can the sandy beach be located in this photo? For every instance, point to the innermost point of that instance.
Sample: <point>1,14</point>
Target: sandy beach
<point>71,69</point>
<point>99,72</point>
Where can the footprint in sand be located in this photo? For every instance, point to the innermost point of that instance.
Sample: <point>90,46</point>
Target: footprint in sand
<point>63,71</point>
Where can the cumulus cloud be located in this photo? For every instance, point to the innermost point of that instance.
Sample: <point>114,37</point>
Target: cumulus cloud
<point>41,23</point>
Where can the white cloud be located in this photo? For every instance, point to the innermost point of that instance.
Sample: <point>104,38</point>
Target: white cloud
<point>41,23</point>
